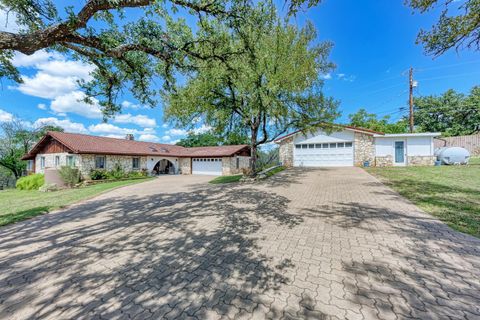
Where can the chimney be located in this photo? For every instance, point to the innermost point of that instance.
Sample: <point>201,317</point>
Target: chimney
<point>129,136</point>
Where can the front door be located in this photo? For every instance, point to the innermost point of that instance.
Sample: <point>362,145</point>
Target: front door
<point>399,152</point>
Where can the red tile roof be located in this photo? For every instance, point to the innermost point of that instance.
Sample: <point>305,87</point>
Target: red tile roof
<point>82,143</point>
<point>358,129</point>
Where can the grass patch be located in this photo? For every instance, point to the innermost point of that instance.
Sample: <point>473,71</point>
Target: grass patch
<point>274,171</point>
<point>18,205</point>
<point>450,193</point>
<point>474,161</point>
<point>226,179</point>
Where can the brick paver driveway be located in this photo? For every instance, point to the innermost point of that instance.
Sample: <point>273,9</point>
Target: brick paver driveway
<point>307,244</point>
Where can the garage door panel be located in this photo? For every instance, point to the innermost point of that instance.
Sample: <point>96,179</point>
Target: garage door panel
<point>325,155</point>
<point>207,166</point>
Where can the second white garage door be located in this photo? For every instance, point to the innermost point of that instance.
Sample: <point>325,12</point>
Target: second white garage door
<point>332,154</point>
<point>209,166</point>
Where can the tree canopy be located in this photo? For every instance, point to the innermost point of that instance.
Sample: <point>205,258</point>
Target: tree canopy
<point>451,113</point>
<point>371,121</point>
<point>208,139</point>
<point>134,51</point>
<point>458,25</point>
<point>270,86</point>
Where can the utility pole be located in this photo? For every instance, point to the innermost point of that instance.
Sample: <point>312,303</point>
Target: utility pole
<point>411,98</point>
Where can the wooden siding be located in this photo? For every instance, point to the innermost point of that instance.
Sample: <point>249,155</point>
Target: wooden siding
<point>53,146</point>
<point>471,143</point>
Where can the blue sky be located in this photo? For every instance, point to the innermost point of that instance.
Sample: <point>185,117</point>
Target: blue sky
<point>374,45</point>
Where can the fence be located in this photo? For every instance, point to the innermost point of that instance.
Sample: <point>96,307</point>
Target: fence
<point>471,143</point>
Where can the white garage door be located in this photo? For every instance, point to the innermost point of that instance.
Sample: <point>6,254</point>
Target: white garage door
<point>332,154</point>
<point>210,166</point>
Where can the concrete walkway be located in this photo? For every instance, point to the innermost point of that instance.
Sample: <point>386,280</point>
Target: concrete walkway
<point>307,244</point>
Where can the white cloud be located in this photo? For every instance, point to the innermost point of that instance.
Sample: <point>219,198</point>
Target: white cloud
<point>72,102</point>
<point>343,76</point>
<point>42,106</point>
<point>166,138</point>
<point>176,132</point>
<point>35,59</point>
<point>66,124</point>
<point>140,120</point>
<point>327,76</point>
<point>8,22</point>
<point>165,125</point>
<point>116,136</point>
<point>148,137</point>
<point>107,128</point>
<point>202,129</point>
<point>129,105</point>
<point>5,116</point>
<point>44,85</point>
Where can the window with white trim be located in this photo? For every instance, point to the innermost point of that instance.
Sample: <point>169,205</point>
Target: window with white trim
<point>57,161</point>
<point>100,162</point>
<point>70,161</point>
<point>42,162</point>
<point>135,163</point>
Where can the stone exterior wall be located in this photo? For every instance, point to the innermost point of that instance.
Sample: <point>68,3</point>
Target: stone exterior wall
<point>421,160</point>
<point>229,164</point>
<point>185,165</point>
<point>50,160</point>
<point>87,162</point>
<point>386,161</point>
<point>364,149</point>
<point>285,152</point>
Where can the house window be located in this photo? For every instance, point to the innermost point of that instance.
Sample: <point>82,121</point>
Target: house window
<point>304,146</point>
<point>348,144</point>
<point>57,161</point>
<point>136,163</point>
<point>333,145</point>
<point>318,145</point>
<point>238,162</point>
<point>298,146</point>
<point>42,162</point>
<point>311,146</point>
<point>29,165</point>
<point>100,162</point>
<point>341,144</point>
<point>325,145</point>
<point>70,161</point>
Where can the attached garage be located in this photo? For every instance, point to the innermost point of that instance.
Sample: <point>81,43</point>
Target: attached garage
<point>207,166</point>
<point>326,154</point>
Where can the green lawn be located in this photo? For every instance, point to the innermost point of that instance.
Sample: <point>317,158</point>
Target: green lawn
<point>226,179</point>
<point>451,193</point>
<point>17,205</point>
<point>274,171</point>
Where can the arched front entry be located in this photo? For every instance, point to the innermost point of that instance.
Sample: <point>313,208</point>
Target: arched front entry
<point>164,166</point>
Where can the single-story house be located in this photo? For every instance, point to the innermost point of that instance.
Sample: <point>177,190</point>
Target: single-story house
<point>352,146</point>
<point>88,152</point>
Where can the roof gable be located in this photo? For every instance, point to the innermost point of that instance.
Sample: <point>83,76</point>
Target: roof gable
<point>340,126</point>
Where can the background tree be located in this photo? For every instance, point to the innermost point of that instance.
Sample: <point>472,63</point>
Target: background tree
<point>16,139</point>
<point>127,53</point>
<point>208,139</point>
<point>272,85</point>
<point>370,121</point>
<point>451,113</point>
<point>457,27</point>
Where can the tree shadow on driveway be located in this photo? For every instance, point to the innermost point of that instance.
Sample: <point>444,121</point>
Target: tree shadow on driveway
<point>170,255</point>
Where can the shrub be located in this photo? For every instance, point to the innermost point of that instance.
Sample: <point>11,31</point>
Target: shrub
<point>117,172</point>
<point>69,175</point>
<point>31,182</point>
<point>138,174</point>
<point>98,174</point>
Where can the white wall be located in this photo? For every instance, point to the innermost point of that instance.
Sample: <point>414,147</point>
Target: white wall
<point>321,136</point>
<point>50,160</point>
<point>416,146</point>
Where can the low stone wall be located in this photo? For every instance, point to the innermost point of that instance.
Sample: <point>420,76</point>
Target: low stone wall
<point>421,160</point>
<point>285,152</point>
<point>364,149</point>
<point>229,164</point>
<point>386,161</point>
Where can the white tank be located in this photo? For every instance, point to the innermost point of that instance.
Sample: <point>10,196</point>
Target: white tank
<point>453,155</point>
